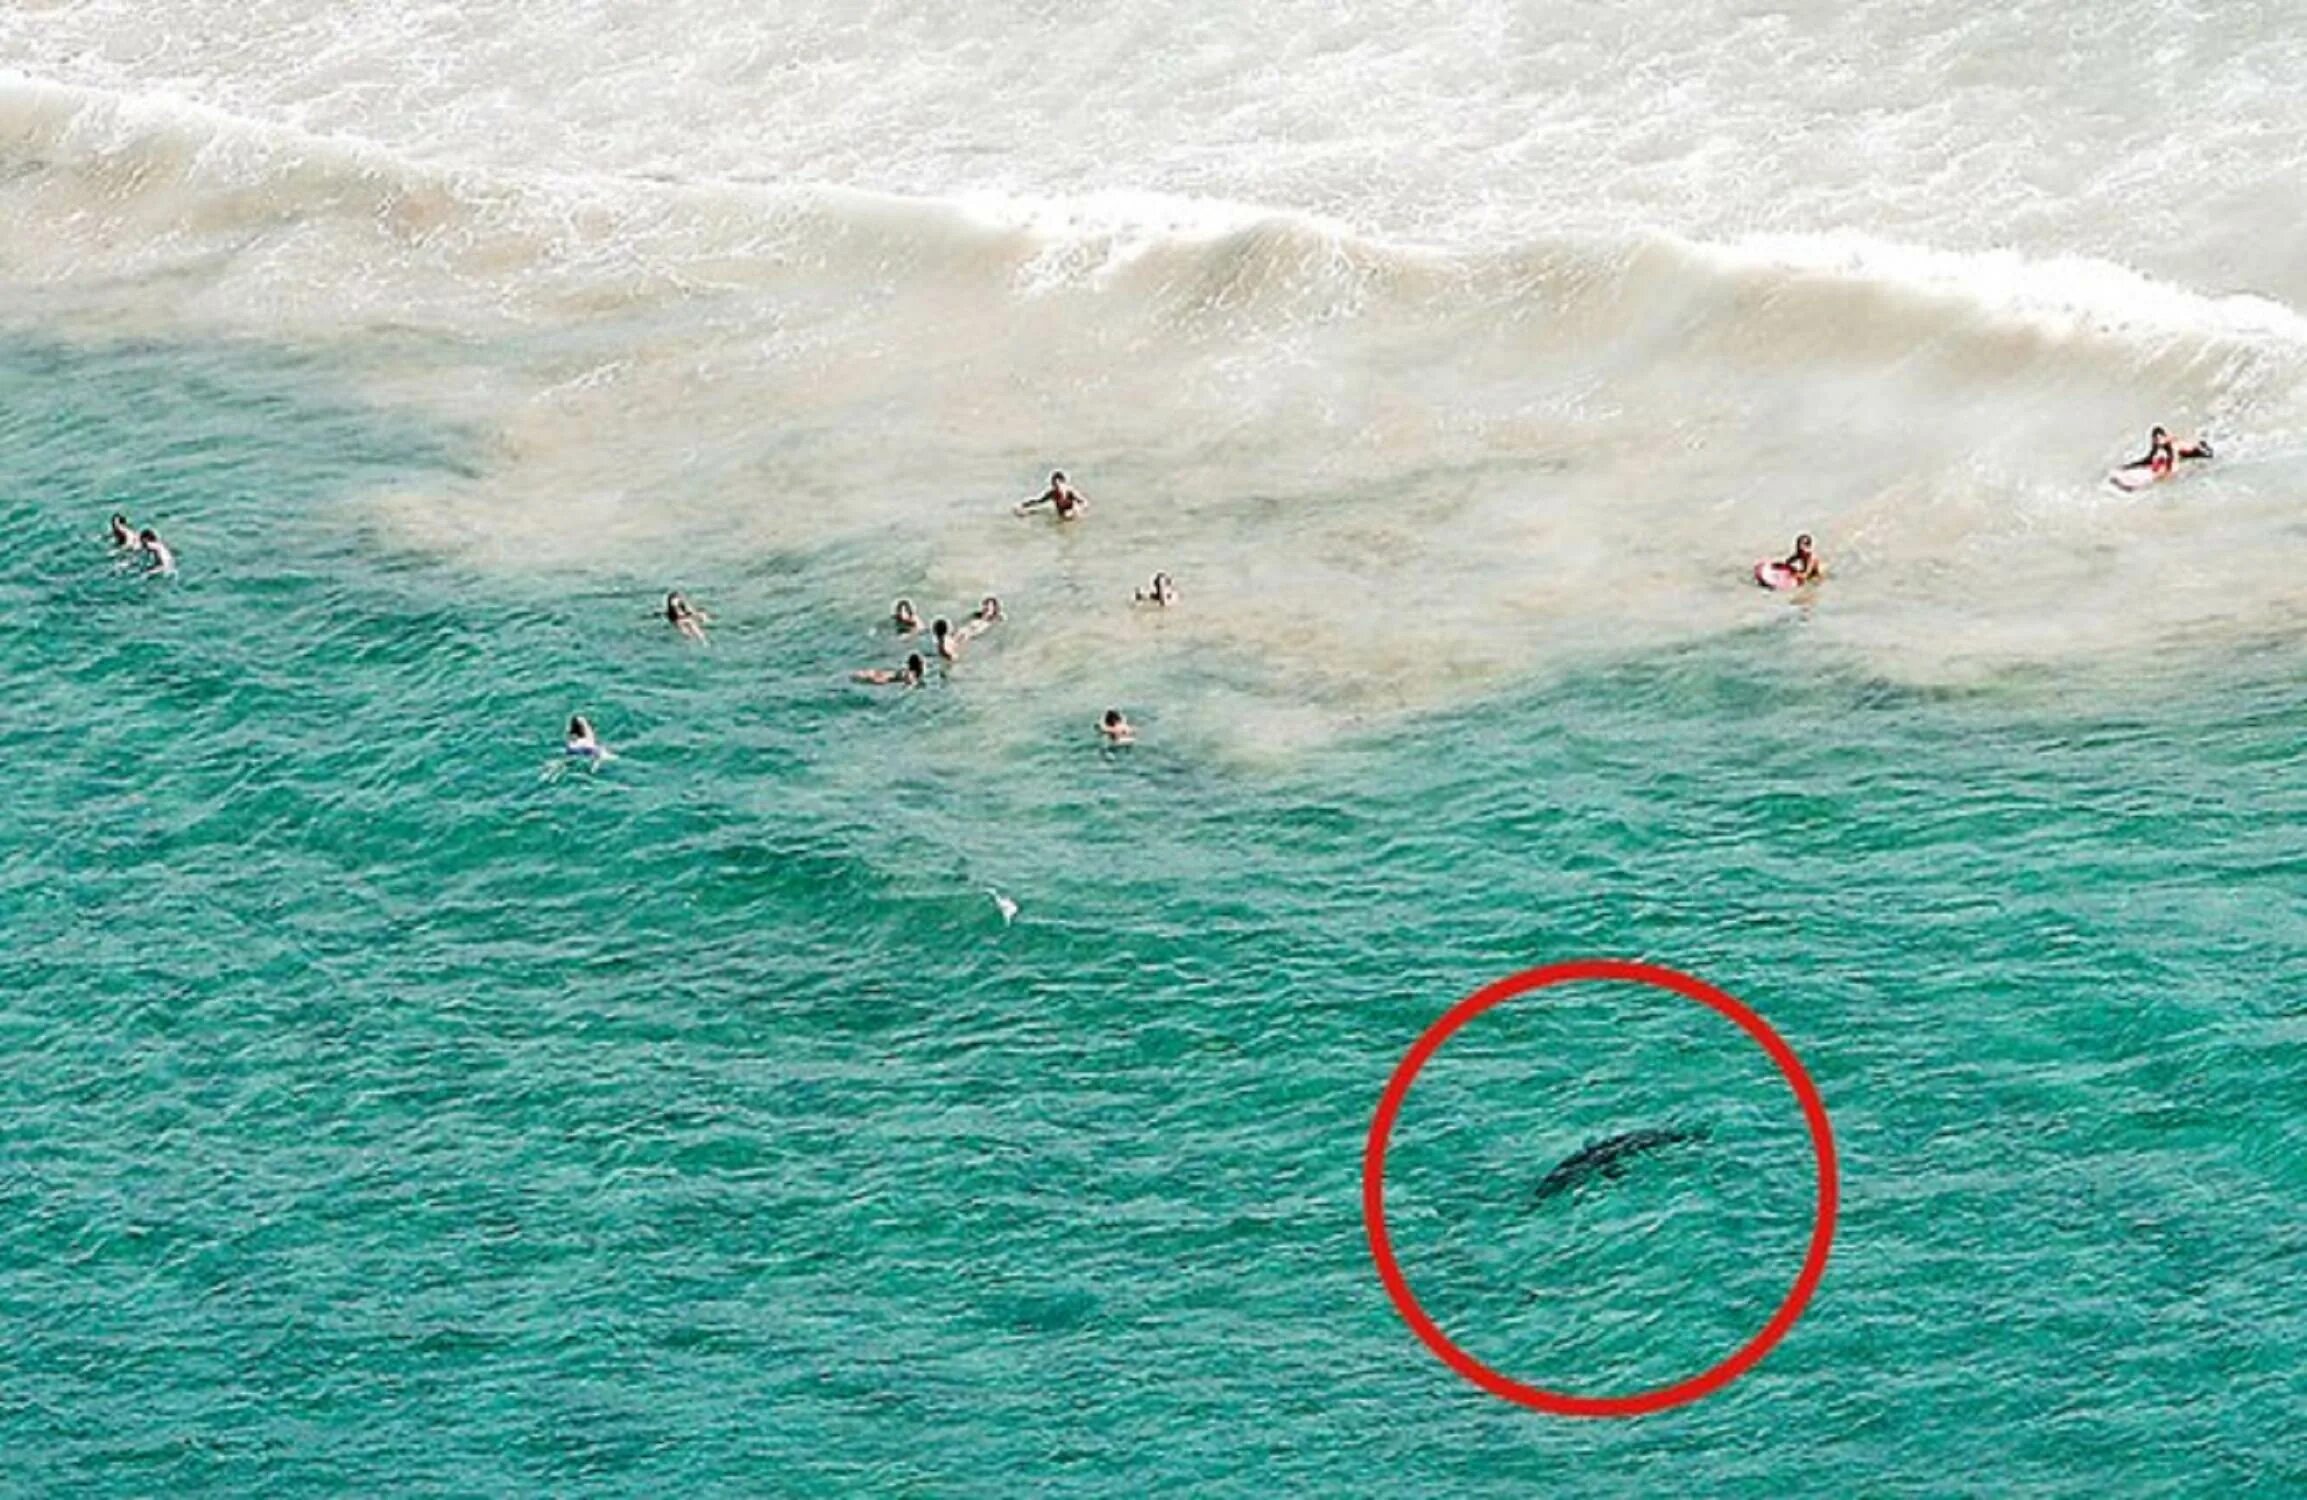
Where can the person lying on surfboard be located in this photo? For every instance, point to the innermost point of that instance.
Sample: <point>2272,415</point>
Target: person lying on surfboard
<point>2163,453</point>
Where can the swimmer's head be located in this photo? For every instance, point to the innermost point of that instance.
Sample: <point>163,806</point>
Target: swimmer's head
<point>990,609</point>
<point>2160,435</point>
<point>1057,476</point>
<point>119,521</point>
<point>1802,542</point>
<point>1113,718</point>
<point>674,604</point>
<point>940,628</point>
<point>903,610</point>
<point>578,728</point>
<point>915,667</point>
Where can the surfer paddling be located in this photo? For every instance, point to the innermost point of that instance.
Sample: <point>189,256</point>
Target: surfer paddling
<point>2160,462</point>
<point>1061,496</point>
<point>2164,453</point>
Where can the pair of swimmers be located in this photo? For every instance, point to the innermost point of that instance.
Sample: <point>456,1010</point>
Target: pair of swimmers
<point>1116,728</point>
<point>1069,502</point>
<point>2163,453</point>
<point>949,638</point>
<point>130,542</point>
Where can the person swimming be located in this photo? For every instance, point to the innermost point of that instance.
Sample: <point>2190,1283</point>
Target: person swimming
<point>686,617</point>
<point>582,743</point>
<point>124,537</point>
<point>149,543</point>
<point>904,618</point>
<point>1116,729</point>
<point>2164,453</point>
<point>909,675</point>
<point>988,615</point>
<point>1803,563</point>
<point>1162,591</point>
<point>1068,501</point>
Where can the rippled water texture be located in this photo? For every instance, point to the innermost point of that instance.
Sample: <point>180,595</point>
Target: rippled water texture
<point>381,1115</point>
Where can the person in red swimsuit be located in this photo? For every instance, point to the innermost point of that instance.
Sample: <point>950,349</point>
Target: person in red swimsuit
<point>2163,453</point>
<point>1068,501</point>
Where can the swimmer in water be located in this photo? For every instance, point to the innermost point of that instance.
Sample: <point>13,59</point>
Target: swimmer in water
<point>2163,454</point>
<point>582,743</point>
<point>948,644</point>
<point>149,543</point>
<point>1803,562</point>
<point>1116,729</point>
<point>988,615</point>
<point>124,538</point>
<point>909,675</point>
<point>686,618</point>
<point>1068,501</point>
<point>904,618</point>
<point>1162,591</point>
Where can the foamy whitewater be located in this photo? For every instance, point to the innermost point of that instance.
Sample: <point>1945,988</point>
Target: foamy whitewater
<point>1459,362</point>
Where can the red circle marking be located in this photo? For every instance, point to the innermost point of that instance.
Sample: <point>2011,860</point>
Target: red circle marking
<point>1561,1403</point>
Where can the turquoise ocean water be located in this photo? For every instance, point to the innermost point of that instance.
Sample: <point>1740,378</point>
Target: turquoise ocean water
<point>382,1116</point>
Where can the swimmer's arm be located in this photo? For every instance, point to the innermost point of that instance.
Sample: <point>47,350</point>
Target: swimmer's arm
<point>1041,499</point>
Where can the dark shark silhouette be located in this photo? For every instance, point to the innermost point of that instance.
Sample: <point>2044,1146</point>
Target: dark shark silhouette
<point>1608,1158</point>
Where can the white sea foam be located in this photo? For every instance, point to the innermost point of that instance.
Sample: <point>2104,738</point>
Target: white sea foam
<point>2132,131</point>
